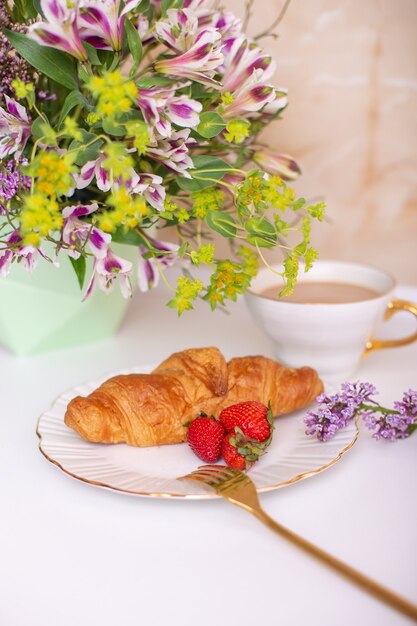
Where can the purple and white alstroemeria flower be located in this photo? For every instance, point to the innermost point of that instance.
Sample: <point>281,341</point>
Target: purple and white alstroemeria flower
<point>104,177</point>
<point>273,108</point>
<point>76,232</point>
<point>173,152</point>
<point>61,28</point>
<point>179,30</point>
<point>203,9</point>
<point>15,127</point>
<point>276,164</point>
<point>184,111</point>
<point>240,60</point>
<point>199,62</point>
<point>27,256</point>
<point>142,26</point>
<point>227,24</point>
<point>107,269</point>
<point>250,97</point>
<point>150,186</point>
<point>101,22</point>
<point>165,255</point>
<point>160,106</point>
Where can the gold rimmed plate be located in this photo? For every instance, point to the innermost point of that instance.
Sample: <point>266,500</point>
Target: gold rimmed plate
<point>153,471</point>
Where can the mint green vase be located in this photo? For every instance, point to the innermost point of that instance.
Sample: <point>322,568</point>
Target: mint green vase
<point>43,311</point>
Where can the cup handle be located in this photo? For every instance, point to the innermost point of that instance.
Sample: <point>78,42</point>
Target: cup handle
<point>393,307</point>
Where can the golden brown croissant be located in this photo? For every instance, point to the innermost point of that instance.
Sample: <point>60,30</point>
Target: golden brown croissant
<point>265,380</point>
<point>151,409</point>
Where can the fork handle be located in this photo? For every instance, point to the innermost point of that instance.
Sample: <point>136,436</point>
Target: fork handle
<point>369,585</point>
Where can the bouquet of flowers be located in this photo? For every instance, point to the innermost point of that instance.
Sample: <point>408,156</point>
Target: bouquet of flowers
<point>118,117</point>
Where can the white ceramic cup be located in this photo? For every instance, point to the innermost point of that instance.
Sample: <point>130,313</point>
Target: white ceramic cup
<point>332,338</point>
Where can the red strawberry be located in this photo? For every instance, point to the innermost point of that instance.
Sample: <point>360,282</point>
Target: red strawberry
<point>231,455</point>
<point>205,436</point>
<point>253,418</point>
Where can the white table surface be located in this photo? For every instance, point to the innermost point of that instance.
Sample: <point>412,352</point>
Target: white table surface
<point>72,554</point>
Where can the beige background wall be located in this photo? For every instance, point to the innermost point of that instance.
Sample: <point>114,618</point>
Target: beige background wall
<point>351,70</point>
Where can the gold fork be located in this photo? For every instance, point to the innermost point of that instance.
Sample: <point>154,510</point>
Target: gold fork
<point>238,488</point>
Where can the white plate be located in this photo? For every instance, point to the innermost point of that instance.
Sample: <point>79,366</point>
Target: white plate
<point>153,471</point>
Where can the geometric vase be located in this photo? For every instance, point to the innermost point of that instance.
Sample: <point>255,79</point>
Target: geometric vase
<point>43,311</point>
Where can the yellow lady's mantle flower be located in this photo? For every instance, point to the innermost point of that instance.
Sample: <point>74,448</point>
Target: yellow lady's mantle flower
<point>22,90</point>
<point>40,215</point>
<point>128,210</point>
<point>115,94</point>
<point>237,131</point>
<point>53,172</point>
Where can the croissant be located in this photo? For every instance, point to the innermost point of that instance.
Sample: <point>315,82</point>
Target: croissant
<point>152,409</point>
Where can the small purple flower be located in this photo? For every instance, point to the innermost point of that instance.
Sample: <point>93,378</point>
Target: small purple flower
<point>357,392</point>
<point>335,412</point>
<point>12,65</point>
<point>408,405</point>
<point>12,181</point>
<point>391,426</point>
<point>330,416</point>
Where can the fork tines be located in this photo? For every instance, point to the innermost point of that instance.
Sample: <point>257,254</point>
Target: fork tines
<point>217,476</point>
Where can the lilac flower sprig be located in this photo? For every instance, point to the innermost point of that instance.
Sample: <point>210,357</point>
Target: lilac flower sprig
<point>356,400</point>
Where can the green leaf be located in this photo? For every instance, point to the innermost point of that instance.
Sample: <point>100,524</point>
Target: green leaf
<point>86,153</point>
<point>38,127</point>
<point>143,6</point>
<point>170,4</point>
<point>135,45</point>
<point>222,223</point>
<point>211,124</point>
<point>182,249</point>
<point>22,10</point>
<point>72,100</point>
<point>53,63</point>
<point>37,7</point>
<point>151,81</point>
<point>92,53</point>
<point>298,204</point>
<point>41,129</point>
<point>210,167</point>
<point>129,237</point>
<point>301,249</point>
<point>106,57</point>
<point>79,265</point>
<point>113,128</point>
<point>261,232</point>
<point>208,170</point>
<point>281,226</point>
